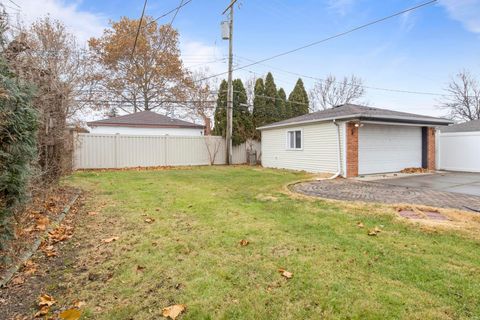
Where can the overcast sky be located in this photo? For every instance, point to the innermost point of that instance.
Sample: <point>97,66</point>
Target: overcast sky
<point>418,51</point>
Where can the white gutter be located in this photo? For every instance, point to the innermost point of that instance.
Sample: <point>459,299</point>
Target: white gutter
<point>356,116</point>
<point>397,123</point>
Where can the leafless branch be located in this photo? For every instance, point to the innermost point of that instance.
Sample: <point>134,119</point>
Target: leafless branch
<point>462,99</point>
<point>330,92</point>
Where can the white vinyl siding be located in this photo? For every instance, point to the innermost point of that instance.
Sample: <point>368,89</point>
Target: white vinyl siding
<point>318,153</point>
<point>388,148</point>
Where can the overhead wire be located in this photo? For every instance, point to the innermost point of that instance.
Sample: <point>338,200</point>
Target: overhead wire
<point>328,38</point>
<point>354,85</point>
<point>138,29</point>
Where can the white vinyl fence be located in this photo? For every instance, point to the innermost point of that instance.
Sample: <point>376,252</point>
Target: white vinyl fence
<point>458,151</point>
<point>95,151</point>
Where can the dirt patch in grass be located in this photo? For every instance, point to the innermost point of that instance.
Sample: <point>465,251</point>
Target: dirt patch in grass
<point>431,218</point>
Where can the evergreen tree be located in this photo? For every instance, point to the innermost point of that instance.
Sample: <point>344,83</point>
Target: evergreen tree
<point>282,105</point>
<point>242,120</point>
<point>18,144</point>
<point>259,111</point>
<point>298,100</point>
<point>243,128</point>
<point>220,116</point>
<point>270,99</point>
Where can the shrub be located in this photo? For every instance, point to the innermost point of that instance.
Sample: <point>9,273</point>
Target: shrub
<point>18,140</point>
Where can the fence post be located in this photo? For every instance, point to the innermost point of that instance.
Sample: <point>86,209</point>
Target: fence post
<point>165,140</point>
<point>115,155</point>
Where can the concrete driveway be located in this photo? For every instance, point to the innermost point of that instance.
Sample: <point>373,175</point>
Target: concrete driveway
<point>457,182</point>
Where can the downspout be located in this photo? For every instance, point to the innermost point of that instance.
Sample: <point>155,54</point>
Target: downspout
<point>339,157</point>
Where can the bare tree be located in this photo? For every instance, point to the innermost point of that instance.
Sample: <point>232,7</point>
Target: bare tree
<point>47,55</point>
<point>200,98</point>
<point>213,145</point>
<point>250,89</point>
<point>332,92</point>
<point>462,101</point>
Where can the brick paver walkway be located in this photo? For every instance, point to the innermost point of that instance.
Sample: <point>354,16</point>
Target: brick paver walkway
<point>345,189</point>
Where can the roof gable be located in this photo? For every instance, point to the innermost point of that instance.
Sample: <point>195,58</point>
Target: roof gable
<point>148,119</point>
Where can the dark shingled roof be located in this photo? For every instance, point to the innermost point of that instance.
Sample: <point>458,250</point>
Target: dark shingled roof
<point>353,111</point>
<point>473,125</point>
<point>144,119</point>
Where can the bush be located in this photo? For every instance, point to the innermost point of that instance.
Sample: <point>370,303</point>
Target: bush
<point>18,141</point>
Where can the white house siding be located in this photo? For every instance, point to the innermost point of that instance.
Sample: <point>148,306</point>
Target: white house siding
<point>319,152</point>
<point>191,132</point>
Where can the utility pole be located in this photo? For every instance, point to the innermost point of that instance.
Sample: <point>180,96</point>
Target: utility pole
<point>230,84</point>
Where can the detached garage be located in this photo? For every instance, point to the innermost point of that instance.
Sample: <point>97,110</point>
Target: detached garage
<point>458,147</point>
<point>351,140</point>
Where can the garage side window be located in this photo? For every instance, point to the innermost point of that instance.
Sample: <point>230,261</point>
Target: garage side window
<point>294,139</point>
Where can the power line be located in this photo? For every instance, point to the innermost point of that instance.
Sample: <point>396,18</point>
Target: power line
<point>349,84</point>
<point>176,12</point>
<point>12,2</point>
<point>139,26</point>
<point>169,12</point>
<point>329,38</point>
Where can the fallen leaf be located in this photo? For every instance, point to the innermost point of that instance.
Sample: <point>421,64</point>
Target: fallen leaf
<point>29,267</point>
<point>46,300</point>
<point>79,304</point>
<point>108,240</point>
<point>60,234</point>
<point>149,220</point>
<point>140,269</point>
<point>70,314</point>
<point>244,242</point>
<point>49,251</point>
<point>374,232</point>
<point>29,229</point>
<point>174,311</point>
<point>285,273</point>
<point>42,223</point>
<point>17,281</point>
<point>42,312</point>
<point>360,224</point>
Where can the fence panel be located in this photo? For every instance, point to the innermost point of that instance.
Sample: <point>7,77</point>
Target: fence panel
<point>239,153</point>
<point>122,151</point>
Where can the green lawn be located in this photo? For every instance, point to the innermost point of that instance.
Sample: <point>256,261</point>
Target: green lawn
<point>191,253</point>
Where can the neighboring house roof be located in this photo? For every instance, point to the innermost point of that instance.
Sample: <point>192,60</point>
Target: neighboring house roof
<point>473,125</point>
<point>353,111</point>
<point>144,119</point>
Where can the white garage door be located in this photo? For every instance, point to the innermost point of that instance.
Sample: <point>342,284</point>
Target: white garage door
<point>459,151</point>
<point>388,148</point>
